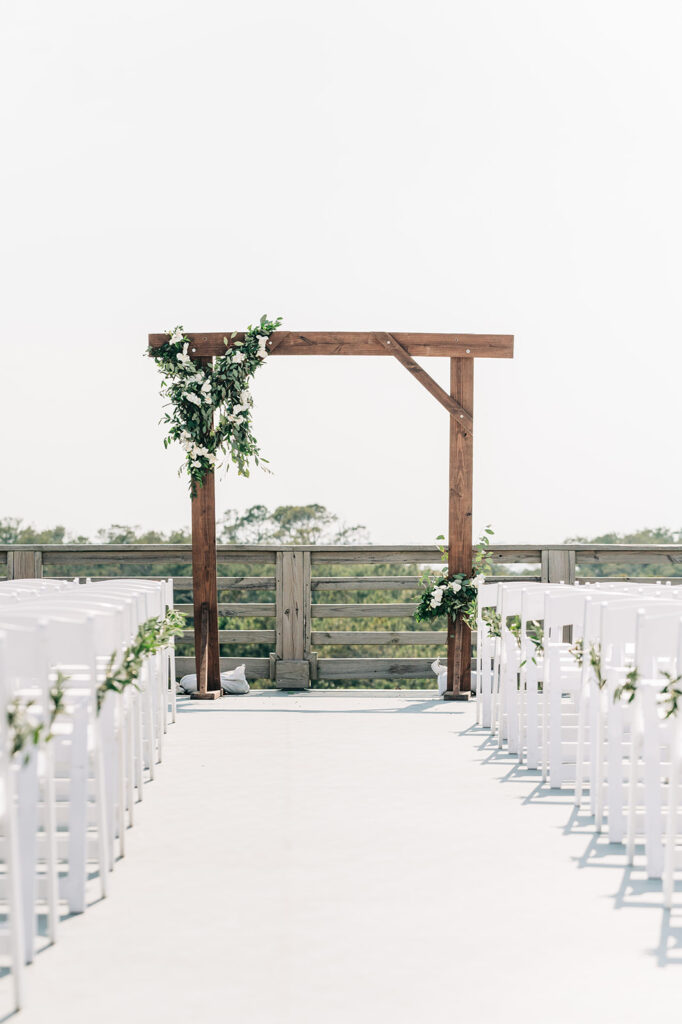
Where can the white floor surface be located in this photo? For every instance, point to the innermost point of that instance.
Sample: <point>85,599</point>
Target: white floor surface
<point>319,858</point>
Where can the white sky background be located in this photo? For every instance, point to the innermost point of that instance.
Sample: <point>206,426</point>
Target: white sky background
<point>493,167</point>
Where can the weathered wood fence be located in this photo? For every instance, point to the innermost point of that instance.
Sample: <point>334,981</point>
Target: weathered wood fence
<point>298,582</point>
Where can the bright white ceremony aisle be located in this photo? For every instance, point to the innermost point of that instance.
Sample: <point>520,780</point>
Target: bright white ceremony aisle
<point>322,858</point>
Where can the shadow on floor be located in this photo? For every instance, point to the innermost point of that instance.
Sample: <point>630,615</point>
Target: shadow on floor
<point>635,891</point>
<point>416,707</point>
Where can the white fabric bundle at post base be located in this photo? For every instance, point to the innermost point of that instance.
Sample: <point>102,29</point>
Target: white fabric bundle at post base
<point>233,681</point>
<point>442,674</point>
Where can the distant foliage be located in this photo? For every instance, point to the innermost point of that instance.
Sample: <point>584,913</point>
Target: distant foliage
<point>287,524</point>
<point>657,535</point>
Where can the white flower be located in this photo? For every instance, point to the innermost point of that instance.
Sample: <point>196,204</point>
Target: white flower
<point>192,398</point>
<point>176,336</point>
<point>479,580</point>
<point>206,386</point>
<point>455,586</point>
<point>244,397</point>
<point>196,463</point>
<point>262,339</point>
<point>183,357</point>
<point>238,357</point>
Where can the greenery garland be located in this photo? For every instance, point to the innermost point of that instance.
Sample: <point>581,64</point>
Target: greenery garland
<point>152,636</point>
<point>210,403</point>
<point>669,696</point>
<point>594,656</point>
<point>455,595</point>
<point>23,728</point>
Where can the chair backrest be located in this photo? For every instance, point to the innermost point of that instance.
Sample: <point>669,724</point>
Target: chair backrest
<point>564,608</point>
<point>25,664</point>
<point>657,640</point>
<point>75,635</point>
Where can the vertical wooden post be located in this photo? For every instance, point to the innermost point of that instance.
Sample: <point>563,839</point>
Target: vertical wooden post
<point>558,565</point>
<point>460,537</point>
<point>24,565</point>
<point>205,586</point>
<point>292,669</point>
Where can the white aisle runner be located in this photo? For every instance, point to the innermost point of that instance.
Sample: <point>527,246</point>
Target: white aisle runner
<point>347,859</point>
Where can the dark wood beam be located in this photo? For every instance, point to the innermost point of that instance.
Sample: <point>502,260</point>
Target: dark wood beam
<point>359,343</point>
<point>393,346</point>
<point>460,531</point>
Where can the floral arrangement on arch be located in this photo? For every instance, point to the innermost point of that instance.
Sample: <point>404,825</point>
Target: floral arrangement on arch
<point>210,402</point>
<point>455,595</point>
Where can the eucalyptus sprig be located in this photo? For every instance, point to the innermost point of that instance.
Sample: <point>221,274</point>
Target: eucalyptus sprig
<point>628,689</point>
<point>595,664</point>
<point>26,724</point>
<point>671,694</point>
<point>534,632</point>
<point>578,651</point>
<point>123,670</point>
<point>493,621</point>
<point>594,657</point>
<point>209,402</point>
<point>24,728</point>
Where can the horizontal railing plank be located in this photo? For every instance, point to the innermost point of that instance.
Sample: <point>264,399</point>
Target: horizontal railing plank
<point>375,668</point>
<point>266,609</point>
<point>399,637</point>
<point>239,636</point>
<point>365,582</point>
<point>264,554</point>
<point>363,610</point>
<point>256,668</point>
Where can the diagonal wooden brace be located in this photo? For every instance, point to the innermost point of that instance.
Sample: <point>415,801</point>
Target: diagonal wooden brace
<point>426,380</point>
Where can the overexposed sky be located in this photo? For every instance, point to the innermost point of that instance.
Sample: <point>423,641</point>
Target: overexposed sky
<point>507,166</point>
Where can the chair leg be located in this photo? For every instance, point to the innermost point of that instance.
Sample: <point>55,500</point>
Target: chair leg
<point>580,750</point>
<point>27,818</point>
<point>51,862</point>
<point>632,798</point>
<point>78,807</point>
<point>671,831</point>
<point>16,917</point>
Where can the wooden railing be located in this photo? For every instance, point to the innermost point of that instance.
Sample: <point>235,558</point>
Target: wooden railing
<point>291,591</point>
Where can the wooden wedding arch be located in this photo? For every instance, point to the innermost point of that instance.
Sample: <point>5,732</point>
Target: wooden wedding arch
<point>461,349</point>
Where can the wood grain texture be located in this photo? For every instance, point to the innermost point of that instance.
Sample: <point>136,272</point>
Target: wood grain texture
<point>264,609</point>
<point>393,346</point>
<point>239,636</point>
<point>204,582</point>
<point>25,565</point>
<point>256,668</point>
<point>558,566</point>
<point>357,343</point>
<point>363,611</point>
<point>375,668</point>
<point>291,607</point>
<point>460,539</point>
<point>329,554</point>
<point>338,583</point>
<point>400,638</point>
